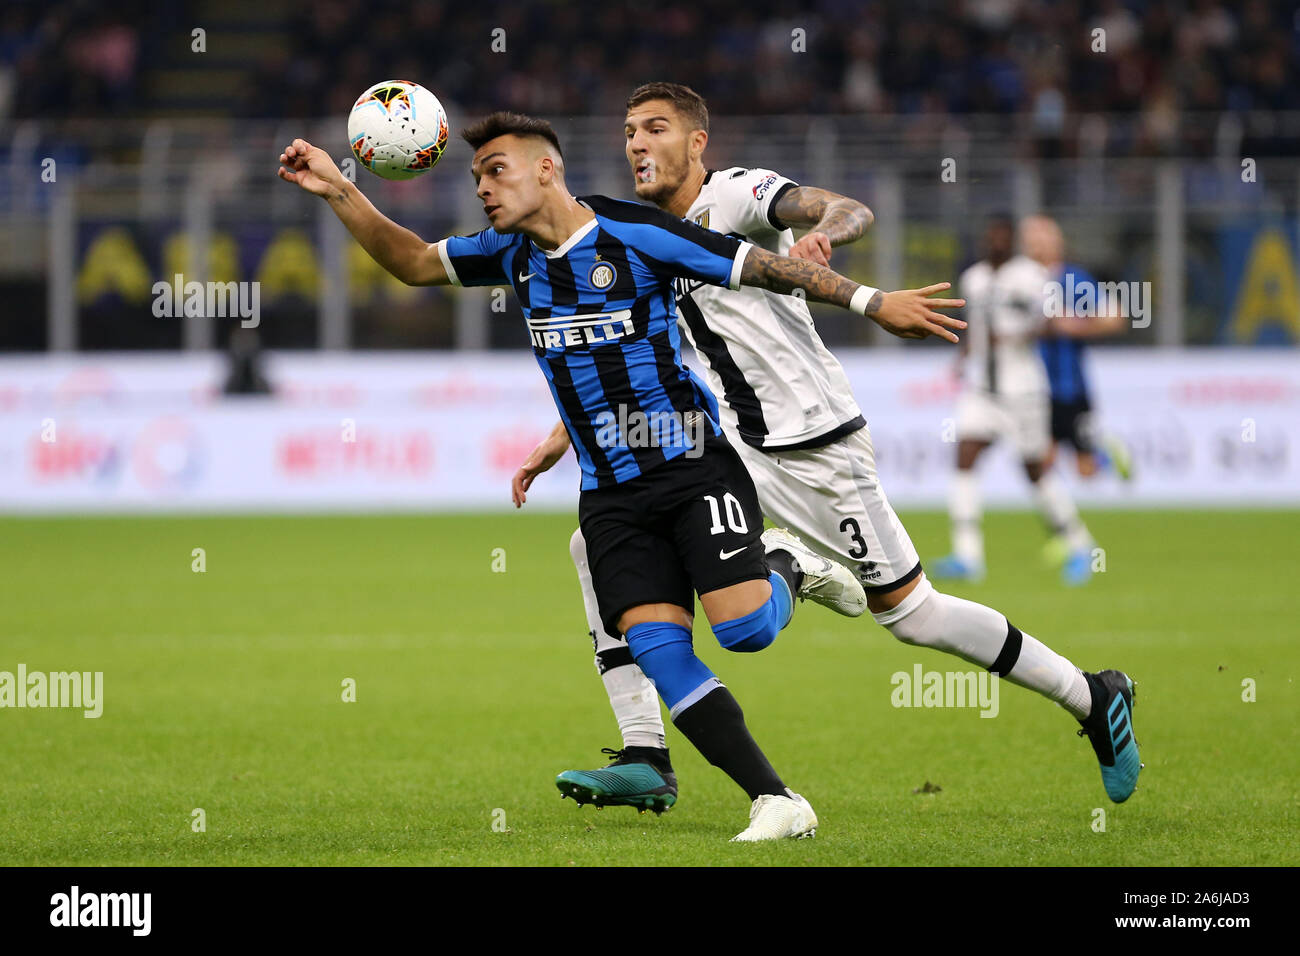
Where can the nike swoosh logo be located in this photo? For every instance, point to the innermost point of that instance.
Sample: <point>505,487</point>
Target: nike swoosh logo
<point>724,555</point>
<point>525,278</point>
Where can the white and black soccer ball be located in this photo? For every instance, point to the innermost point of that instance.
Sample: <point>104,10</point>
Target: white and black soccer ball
<point>398,129</point>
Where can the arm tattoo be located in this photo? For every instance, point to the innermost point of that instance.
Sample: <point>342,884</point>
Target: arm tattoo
<point>781,274</point>
<point>840,218</point>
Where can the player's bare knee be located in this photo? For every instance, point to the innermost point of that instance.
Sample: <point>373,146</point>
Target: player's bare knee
<point>881,602</point>
<point>735,600</point>
<point>654,614</point>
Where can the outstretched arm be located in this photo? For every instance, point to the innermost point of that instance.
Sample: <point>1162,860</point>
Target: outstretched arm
<point>831,220</point>
<point>396,248</point>
<point>907,313</point>
<point>1087,327</point>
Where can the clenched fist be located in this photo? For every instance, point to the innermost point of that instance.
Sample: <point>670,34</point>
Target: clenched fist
<point>311,168</point>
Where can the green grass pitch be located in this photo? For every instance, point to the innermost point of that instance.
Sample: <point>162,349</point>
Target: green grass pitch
<point>223,691</point>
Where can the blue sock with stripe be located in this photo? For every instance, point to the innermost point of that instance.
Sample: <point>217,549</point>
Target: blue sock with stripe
<point>664,653</point>
<point>701,706</point>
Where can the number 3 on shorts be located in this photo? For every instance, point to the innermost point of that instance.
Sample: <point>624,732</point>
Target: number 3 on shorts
<point>859,549</point>
<point>735,514</point>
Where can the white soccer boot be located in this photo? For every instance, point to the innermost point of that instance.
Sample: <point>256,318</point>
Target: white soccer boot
<point>827,583</point>
<point>775,817</point>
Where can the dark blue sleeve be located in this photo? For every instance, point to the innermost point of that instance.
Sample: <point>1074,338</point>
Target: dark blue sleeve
<point>671,247</point>
<point>479,259</point>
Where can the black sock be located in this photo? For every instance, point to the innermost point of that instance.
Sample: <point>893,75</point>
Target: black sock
<point>656,757</point>
<point>715,724</point>
<point>782,562</point>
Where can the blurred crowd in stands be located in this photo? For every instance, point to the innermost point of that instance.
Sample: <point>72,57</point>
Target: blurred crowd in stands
<point>1042,60</point>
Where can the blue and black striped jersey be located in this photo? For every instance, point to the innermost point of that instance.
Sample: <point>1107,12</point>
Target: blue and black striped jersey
<point>602,321</point>
<point>1062,355</point>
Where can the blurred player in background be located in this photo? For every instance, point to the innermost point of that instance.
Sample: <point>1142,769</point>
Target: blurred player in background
<point>1086,315</point>
<point>1005,396</point>
<point>786,404</point>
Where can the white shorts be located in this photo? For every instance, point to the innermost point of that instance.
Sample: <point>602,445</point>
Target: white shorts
<point>1024,419</point>
<point>831,498</point>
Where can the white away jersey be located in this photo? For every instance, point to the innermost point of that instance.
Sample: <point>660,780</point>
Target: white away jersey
<point>1004,309</point>
<point>778,386</point>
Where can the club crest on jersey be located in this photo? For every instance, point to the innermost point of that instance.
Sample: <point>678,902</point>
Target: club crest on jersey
<point>602,275</point>
<point>760,189</point>
<point>562,331</point>
<point>702,220</point>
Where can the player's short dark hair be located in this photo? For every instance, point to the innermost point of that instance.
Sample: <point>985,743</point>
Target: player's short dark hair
<point>1000,218</point>
<point>503,123</point>
<point>684,99</point>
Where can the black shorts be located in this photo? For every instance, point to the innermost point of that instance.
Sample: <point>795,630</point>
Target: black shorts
<point>1072,424</point>
<point>690,526</point>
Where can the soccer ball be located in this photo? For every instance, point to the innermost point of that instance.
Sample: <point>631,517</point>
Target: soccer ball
<point>398,129</point>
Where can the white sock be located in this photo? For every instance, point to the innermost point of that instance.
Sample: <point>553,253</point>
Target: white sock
<point>965,510</point>
<point>631,695</point>
<point>981,635</point>
<point>635,703</point>
<point>1059,512</point>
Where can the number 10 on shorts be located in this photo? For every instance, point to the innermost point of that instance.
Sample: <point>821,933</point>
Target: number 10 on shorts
<point>735,514</point>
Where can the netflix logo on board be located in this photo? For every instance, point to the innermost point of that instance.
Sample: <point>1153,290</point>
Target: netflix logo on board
<point>383,454</point>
